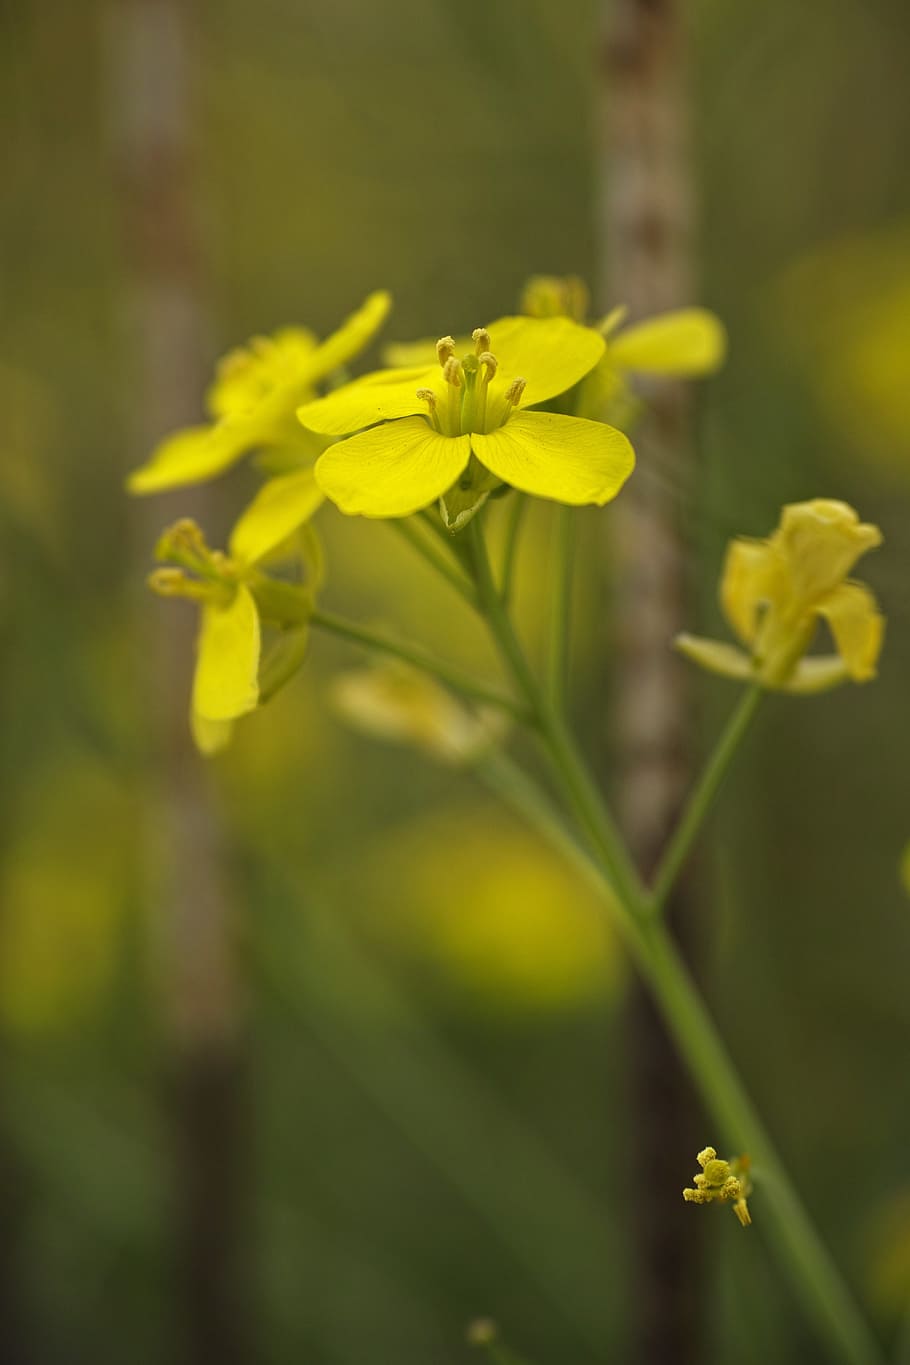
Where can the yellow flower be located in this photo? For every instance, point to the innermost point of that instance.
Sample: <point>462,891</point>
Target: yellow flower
<point>234,599</point>
<point>460,427</point>
<point>774,591</point>
<point>252,402</point>
<point>723,1182</point>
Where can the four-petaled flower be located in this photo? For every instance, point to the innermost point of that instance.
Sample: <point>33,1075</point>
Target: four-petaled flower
<point>257,390</point>
<point>774,591</point>
<point>458,428</point>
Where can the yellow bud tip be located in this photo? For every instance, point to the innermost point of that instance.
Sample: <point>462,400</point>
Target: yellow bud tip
<point>708,1154</point>
<point>716,1172</point>
<point>452,372</point>
<point>741,1209</point>
<point>515,390</point>
<point>481,1332</point>
<point>481,339</point>
<point>427,396</point>
<point>445,347</point>
<point>489,360</point>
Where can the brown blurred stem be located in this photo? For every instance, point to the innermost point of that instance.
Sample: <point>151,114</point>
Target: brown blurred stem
<point>151,60</point>
<point>647,232</point>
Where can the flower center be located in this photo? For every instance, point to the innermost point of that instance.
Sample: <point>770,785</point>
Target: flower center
<point>462,405</point>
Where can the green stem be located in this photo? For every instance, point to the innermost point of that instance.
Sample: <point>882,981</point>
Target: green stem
<point>418,658</point>
<point>824,1295</point>
<point>436,558</point>
<point>513,527</point>
<point>560,608</point>
<point>702,797</point>
<point>586,798</point>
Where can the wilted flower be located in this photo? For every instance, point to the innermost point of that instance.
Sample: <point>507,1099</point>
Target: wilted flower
<point>773,593</point>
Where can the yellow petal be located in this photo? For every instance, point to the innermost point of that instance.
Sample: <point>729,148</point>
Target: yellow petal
<point>568,459</point>
<point>691,341</point>
<point>716,656</point>
<point>819,673</point>
<point>352,336</point>
<point>750,578</point>
<point>550,354</point>
<point>392,470</point>
<point>280,506</point>
<point>227,663</point>
<point>858,628</point>
<point>210,736</point>
<point>378,397</point>
<point>821,541</point>
<point>189,456</point>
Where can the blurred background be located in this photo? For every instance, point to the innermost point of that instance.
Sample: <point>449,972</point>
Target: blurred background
<point>314,1054</point>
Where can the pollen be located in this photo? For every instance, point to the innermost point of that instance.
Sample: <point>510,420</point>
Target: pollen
<point>481,339</point>
<point>452,371</point>
<point>427,396</point>
<point>515,390</point>
<point>445,349</point>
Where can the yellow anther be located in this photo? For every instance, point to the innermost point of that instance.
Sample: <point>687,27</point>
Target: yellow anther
<point>445,347</point>
<point>489,361</point>
<point>515,390</point>
<point>481,339</point>
<point>696,1197</point>
<point>427,396</point>
<point>732,1188</point>
<point>708,1154</point>
<point>452,372</point>
<point>168,582</point>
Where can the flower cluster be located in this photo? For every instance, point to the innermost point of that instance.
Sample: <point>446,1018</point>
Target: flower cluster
<point>722,1182</point>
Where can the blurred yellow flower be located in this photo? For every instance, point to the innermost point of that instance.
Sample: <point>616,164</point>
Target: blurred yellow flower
<point>232,595</point>
<point>458,428</point>
<point>774,591</point>
<point>396,702</point>
<point>252,402</point>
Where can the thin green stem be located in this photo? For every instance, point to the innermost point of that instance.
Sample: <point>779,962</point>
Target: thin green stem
<point>560,607</point>
<point>436,558</point>
<point>586,798</point>
<point>419,658</point>
<point>702,797</point>
<point>519,503</point>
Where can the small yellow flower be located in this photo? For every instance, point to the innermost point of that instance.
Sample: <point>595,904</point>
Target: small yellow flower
<point>234,598</point>
<point>463,425</point>
<point>252,402</point>
<point>773,593</point>
<point>396,702</point>
<point>723,1182</point>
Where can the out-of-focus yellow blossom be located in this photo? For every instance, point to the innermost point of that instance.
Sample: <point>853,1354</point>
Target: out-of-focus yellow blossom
<point>458,428</point>
<point>395,702</point>
<point>773,593</point>
<point>256,391</point>
<point>233,596</point>
<point>723,1182</point>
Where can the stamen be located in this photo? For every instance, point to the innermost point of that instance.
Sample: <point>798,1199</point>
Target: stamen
<point>428,396</point>
<point>515,390</point>
<point>445,347</point>
<point>489,361</point>
<point>452,371</point>
<point>453,374</point>
<point>481,339</point>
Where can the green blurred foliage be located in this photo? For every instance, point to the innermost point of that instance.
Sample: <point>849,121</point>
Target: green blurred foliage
<point>438,1084</point>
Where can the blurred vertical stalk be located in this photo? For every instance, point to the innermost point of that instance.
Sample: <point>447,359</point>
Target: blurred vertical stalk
<point>150,65</point>
<point>647,212</point>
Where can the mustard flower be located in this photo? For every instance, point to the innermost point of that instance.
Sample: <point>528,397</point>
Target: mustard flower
<point>458,428</point>
<point>773,592</point>
<point>235,599</point>
<point>256,391</point>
